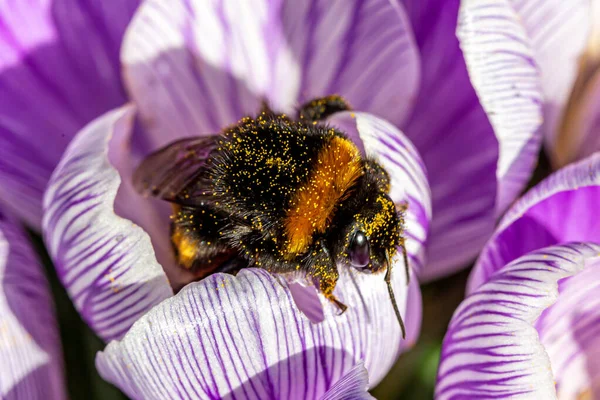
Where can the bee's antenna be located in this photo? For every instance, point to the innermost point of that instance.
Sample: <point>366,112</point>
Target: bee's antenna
<point>388,281</point>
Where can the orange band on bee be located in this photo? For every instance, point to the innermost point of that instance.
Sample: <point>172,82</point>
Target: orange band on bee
<point>336,169</point>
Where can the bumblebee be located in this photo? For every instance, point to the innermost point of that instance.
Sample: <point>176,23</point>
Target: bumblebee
<point>279,193</point>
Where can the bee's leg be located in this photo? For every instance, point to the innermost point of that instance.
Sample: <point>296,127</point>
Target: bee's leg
<point>328,277</point>
<point>322,107</point>
<point>324,270</point>
<point>327,283</point>
<point>339,304</point>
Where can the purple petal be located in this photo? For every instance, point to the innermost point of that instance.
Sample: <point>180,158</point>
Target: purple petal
<point>352,386</point>
<point>194,67</point>
<point>244,337</point>
<point>556,27</point>
<point>561,209</point>
<point>106,262</point>
<point>30,354</point>
<point>456,140</point>
<point>503,71</point>
<point>569,331</point>
<point>59,69</point>
<point>492,349</point>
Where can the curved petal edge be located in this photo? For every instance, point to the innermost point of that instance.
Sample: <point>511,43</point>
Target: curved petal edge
<point>106,262</point>
<point>492,347</point>
<point>192,68</point>
<point>561,209</point>
<point>504,73</point>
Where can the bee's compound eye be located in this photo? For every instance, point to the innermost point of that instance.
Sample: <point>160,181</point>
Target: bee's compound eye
<point>360,251</point>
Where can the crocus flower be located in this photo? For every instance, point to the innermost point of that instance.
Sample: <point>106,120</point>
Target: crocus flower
<point>529,327</point>
<point>192,68</point>
<point>30,352</point>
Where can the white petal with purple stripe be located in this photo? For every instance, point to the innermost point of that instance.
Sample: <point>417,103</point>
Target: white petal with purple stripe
<point>492,348</point>
<point>30,355</point>
<point>106,262</point>
<point>505,75</point>
<point>243,337</point>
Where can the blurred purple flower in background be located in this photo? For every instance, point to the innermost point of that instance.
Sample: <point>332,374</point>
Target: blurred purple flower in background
<point>451,104</point>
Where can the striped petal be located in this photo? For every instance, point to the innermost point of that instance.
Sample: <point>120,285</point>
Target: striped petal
<point>556,27</point>
<point>507,81</point>
<point>492,348</point>
<point>561,209</point>
<point>30,354</point>
<point>196,66</point>
<point>107,263</point>
<point>244,337</point>
<point>452,133</point>
<point>59,69</point>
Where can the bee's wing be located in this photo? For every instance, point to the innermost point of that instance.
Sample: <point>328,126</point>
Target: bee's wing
<point>167,172</point>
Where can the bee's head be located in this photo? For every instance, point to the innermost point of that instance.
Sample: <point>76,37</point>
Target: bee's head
<point>373,235</point>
